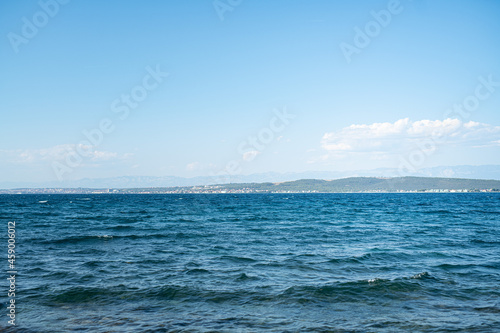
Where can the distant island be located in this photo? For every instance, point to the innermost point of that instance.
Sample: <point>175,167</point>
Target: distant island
<point>345,185</point>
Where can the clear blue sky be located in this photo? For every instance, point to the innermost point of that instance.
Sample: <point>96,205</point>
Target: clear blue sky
<point>232,66</point>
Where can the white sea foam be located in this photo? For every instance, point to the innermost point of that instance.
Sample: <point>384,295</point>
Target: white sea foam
<point>105,236</point>
<point>420,275</point>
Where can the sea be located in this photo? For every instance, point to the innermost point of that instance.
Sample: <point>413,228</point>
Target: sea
<point>357,262</point>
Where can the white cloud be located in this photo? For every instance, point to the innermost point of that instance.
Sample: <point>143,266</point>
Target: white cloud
<point>379,138</point>
<point>434,127</point>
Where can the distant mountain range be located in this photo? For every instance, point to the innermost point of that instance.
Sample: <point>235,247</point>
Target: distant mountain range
<point>344,185</point>
<point>464,171</point>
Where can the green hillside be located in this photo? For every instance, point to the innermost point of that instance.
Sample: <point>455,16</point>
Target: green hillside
<point>363,184</point>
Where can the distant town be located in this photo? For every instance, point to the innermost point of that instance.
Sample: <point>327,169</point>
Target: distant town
<point>345,185</point>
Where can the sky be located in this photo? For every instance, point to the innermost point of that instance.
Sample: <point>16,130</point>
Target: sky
<point>95,89</point>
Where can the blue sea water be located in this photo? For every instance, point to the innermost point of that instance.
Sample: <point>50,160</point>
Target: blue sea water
<point>254,263</point>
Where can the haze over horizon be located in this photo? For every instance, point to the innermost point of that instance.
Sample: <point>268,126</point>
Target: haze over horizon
<point>217,88</point>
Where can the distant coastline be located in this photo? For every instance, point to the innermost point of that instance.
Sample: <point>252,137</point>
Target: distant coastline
<point>344,185</point>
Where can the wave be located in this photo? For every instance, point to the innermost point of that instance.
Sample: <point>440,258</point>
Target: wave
<point>439,211</point>
<point>367,291</point>
<point>197,271</point>
<point>238,259</point>
<point>487,212</point>
<point>91,294</point>
<point>382,256</point>
<point>244,277</point>
<point>44,214</point>
<point>105,237</point>
<point>483,241</point>
<point>467,267</point>
<point>488,309</point>
<point>122,227</point>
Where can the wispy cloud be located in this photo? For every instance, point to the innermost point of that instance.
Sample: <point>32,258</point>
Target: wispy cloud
<point>58,153</point>
<point>389,138</point>
<point>250,155</point>
<point>193,166</point>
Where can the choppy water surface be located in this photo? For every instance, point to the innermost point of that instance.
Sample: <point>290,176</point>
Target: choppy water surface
<point>255,263</point>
